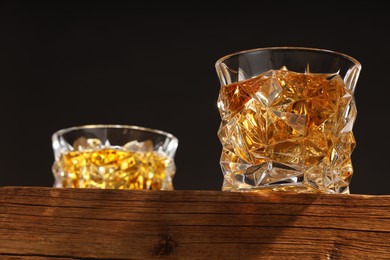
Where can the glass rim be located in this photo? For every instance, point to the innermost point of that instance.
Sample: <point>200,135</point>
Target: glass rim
<point>63,131</point>
<point>320,50</point>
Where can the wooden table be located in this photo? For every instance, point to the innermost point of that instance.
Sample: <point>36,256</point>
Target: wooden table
<point>48,223</point>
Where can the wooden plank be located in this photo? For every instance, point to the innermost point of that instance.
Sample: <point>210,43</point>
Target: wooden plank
<point>47,223</point>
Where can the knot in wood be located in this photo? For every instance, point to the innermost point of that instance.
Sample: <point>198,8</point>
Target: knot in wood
<point>166,245</point>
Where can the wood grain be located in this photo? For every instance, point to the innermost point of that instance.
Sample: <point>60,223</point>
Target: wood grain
<point>39,223</point>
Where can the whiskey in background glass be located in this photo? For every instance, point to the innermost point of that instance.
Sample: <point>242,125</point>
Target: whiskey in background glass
<point>114,157</point>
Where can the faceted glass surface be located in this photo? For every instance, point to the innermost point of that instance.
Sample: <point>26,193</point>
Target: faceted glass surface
<point>287,131</point>
<point>114,157</point>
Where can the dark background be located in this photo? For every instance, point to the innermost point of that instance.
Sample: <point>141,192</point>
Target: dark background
<point>65,64</point>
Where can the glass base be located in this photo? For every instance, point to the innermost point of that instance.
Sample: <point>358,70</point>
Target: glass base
<point>290,188</point>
